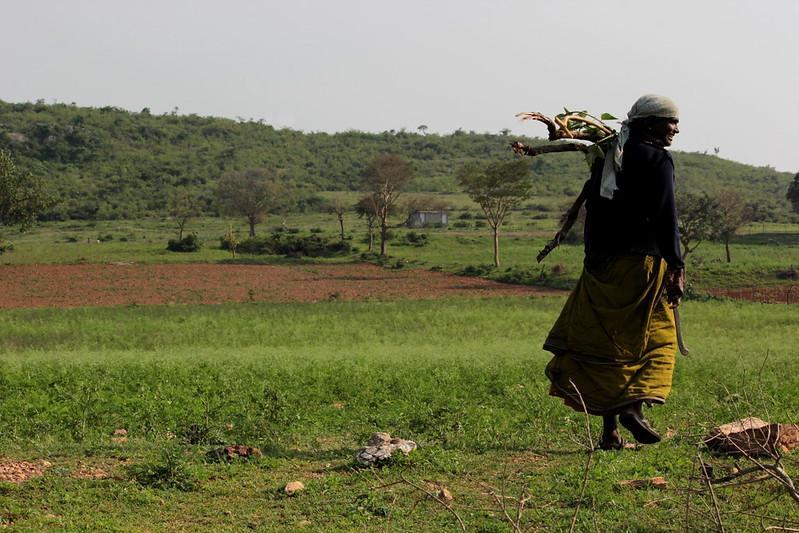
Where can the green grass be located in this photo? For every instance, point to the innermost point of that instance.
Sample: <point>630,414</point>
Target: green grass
<point>308,383</point>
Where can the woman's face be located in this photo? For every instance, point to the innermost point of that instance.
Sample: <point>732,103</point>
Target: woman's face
<point>663,131</point>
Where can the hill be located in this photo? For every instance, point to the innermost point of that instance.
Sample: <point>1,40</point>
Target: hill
<point>110,163</point>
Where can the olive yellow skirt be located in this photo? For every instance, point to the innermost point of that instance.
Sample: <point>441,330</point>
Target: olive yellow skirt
<point>615,340</point>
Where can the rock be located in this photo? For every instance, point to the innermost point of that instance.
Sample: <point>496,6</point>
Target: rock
<point>293,488</point>
<point>444,494</point>
<point>378,439</point>
<point>658,482</point>
<point>789,437</point>
<point>233,452</point>
<point>747,436</point>
<point>380,448</point>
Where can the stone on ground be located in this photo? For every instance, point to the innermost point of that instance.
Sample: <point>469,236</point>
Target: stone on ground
<point>381,447</point>
<point>233,452</point>
<point>752,436</point>
<point>293,488</point>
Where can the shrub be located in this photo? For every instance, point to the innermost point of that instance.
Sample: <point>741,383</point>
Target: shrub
<point>170,472</point>
<point>414,239</point>
<point>480,223</point>
<point>200,434</point>
<point>475,270</point>
<point>539,207</point>
<point>465,216</point>
<point>285,229</point>
<point>461,224</point>
<point>515,275</point>
<point>294,246</point>
<point>317,230</point>
<point>105,238</point>
<point>189,243</point>
<point>6,247</point>
<point>229,241</point>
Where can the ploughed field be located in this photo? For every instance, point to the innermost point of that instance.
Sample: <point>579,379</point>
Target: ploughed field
<point>75,285</point>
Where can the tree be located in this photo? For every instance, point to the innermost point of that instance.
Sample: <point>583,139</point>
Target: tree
<point>253,193</point>
<point>695,220</point>
<point>793,193</point>
<point>731,213</point>
<point>183,206</point>
<point>382,181</point>
<point>365,209</point>
<point>497,188</point>
<point>339,209</point>
<point>422,129</point>
<point>22,196</point>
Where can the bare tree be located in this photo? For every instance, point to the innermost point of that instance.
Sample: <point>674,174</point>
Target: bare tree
<point>382,181</point>
<point>365,209</point>
<point>338,207</point>
<point>732,213</point>
<point>252,193</point>
<point>496,188</point>
<point>183,206</point>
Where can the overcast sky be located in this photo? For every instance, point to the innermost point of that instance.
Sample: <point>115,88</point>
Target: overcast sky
<point>374,65</point>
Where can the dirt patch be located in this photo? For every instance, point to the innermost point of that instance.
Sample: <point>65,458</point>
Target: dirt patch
<point>88,472</point>
<point>19,471</point>
<point>125,284</point>
<point>778,294</point>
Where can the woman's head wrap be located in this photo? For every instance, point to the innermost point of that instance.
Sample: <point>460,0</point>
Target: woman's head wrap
<point>649,105</point>
<point>652,105</point>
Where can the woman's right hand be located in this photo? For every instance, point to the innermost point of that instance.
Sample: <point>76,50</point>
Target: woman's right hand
<point>675,285</point>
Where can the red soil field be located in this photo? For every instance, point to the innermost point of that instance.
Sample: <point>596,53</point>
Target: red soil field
<point>778,294</point>
<point>125,284</point>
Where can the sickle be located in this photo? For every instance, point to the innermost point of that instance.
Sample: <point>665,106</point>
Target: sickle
<point>680,343</point>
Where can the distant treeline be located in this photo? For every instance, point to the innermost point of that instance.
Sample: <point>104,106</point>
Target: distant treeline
<point>111,163</point>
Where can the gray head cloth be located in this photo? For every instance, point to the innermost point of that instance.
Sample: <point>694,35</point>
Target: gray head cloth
<point>649,105</point>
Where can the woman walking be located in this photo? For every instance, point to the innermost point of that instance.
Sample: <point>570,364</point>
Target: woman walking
<point>614,342</point>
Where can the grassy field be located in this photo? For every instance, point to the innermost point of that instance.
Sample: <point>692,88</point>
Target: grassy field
<point>308,384</point>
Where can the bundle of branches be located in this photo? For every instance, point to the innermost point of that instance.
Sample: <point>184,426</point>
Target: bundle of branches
<point>569,128</point>
<point>570,131</point>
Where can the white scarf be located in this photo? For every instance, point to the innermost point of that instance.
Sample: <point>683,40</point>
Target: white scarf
<point>649,105</point>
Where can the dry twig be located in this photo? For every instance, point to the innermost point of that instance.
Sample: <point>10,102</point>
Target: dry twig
<point>446,505</point>
<point>706,478</point>
<point>588,460</point>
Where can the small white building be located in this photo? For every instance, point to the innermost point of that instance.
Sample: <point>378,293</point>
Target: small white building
<point>420,219</point>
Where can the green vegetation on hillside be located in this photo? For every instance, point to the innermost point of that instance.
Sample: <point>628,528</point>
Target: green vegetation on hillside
<point>110,163</point>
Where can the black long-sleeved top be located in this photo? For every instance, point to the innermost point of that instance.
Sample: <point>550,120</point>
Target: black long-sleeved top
<point>641,218</point>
